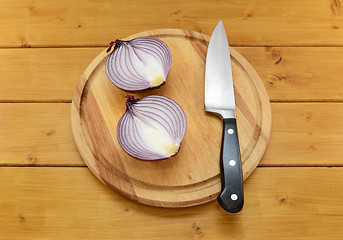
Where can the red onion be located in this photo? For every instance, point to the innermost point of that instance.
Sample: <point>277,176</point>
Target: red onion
<point>152,128</point>
<point>138,64</point>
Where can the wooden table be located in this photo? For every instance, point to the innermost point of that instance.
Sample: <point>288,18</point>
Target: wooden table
<point>46,190</point>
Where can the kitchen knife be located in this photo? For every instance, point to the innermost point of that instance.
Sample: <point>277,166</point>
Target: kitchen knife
<point>220,100</point>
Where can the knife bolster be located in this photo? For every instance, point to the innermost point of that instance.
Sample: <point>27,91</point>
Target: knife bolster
<point>223,114</point>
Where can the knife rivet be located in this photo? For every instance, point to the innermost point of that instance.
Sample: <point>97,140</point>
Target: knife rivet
<point>230,131</point>
<point>232,163</point>
<point>234,197</point>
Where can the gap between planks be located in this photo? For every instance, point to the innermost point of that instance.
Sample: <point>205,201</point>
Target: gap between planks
<point>85,166</point>
<point>271,101</point>
<point>231,45</point>
<point>41,166</point>
<point>37,101</point>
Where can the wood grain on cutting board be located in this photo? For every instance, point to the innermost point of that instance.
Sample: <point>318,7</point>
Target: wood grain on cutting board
<point>192,176</point>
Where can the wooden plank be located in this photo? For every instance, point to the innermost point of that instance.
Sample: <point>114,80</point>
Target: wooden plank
<point>302,74</point>
<point>80,23</point>
<point>42,74</point>
<point>69,203</point>
<point>37,134</point>
<point>303,134</point>
<point>298,74</point>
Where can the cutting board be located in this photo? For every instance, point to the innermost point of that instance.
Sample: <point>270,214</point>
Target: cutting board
<point>192,177</point>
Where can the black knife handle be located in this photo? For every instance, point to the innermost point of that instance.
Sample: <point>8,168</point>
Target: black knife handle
<point>231,198</point>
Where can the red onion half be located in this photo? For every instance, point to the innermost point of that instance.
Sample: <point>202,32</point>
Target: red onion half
<point>138,64</point>
<point>152,128</point>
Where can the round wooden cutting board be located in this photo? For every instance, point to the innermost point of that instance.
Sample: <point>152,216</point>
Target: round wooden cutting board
<point>191,177</point>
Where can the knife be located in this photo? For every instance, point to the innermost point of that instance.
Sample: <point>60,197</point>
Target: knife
<point>220,100</point>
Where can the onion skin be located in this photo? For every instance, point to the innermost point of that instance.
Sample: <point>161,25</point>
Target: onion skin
<point>138,64</point>
<point>152,128</point>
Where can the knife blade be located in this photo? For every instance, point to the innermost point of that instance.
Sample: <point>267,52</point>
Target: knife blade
<point>220,100</point>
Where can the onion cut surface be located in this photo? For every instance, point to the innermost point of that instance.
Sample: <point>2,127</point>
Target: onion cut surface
<point>138,64</point>
<point>152,128</point>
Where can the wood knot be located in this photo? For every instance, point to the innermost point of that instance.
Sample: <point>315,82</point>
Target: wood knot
<point>312,147</point>
<point>190,176</point>
<point>335,7</point>
<point>31,159</point>
<point>31,8</point>
<point>197,229</point>
<point>308,116</point>
<point>274,54</point>
<point>247,15</point>
<point>176,12</point>
<point>277,78</point>
<point>21,218</point>
<point>50,132</point>
<point>23,42</point>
